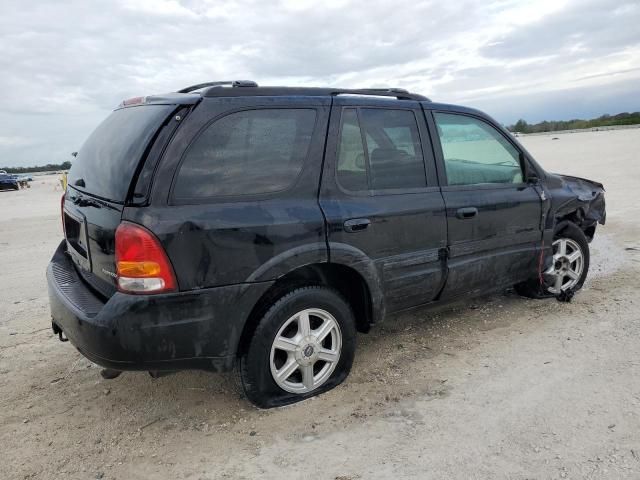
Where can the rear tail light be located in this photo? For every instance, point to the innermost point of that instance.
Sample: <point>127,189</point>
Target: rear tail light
<point>141,263</point>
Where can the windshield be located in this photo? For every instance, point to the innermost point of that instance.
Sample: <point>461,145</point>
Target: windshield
<point>108,159</point>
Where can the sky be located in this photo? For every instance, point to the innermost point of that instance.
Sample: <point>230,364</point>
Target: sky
<point>66,64</point>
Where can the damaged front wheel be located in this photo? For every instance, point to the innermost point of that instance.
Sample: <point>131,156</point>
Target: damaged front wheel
<point>570,265</point>
<point>567,272</point>
<point>567,267</point>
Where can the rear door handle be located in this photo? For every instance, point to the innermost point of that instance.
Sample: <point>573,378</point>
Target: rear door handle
<point>467,212</point>
<point>356,224</point>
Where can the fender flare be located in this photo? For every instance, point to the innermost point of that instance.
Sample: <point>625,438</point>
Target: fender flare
<point>315,253</point>
<point>290,260</point>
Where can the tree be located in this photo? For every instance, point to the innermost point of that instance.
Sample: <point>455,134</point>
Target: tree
<point>624,118</point>
<point>521,126</point>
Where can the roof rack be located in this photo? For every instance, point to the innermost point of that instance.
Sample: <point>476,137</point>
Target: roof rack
<point>232,83</point>
<point>399,93</point>
<point>252,89</point>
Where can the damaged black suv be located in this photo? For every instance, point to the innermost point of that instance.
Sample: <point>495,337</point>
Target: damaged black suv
<point>231,225</point>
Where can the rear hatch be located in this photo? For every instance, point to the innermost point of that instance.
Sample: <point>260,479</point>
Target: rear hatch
<point>99,186</point>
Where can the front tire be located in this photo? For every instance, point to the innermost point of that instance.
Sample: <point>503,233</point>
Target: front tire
<point>570,261</point>
<point>303,346</point>
<point>569,269</point>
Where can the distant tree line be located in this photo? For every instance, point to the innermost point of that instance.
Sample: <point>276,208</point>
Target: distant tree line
<point>551,126</point>
<point>49,167</point>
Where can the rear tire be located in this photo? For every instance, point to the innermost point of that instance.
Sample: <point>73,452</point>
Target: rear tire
<point>303,346</point>
<point>571,235</point>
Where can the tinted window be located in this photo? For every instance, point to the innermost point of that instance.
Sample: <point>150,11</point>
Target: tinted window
<point>352,169</point>
<point>107,161</point>
<point>245,153</point>
<point>475,152</point>
<point>392,158</point>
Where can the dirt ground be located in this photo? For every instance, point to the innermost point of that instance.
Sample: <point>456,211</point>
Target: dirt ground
<point>500,387</point>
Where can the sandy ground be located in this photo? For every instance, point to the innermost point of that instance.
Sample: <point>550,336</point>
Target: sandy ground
<point>500,387</point>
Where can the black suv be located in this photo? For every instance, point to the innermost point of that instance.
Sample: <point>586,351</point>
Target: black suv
<point>230,224</point>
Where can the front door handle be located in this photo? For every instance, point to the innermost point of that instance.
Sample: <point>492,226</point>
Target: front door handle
<point>356,224</point>
<point>467,212</point>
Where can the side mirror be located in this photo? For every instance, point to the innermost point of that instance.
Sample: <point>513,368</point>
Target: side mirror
<point>529,173</point>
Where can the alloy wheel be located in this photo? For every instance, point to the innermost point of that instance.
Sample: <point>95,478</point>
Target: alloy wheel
<point>305,351</point>
<point>568,263</point>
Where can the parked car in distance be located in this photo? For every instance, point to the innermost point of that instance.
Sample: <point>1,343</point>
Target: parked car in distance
<point>23,182</point>
<point>9,182</point>
<point>231,225</point>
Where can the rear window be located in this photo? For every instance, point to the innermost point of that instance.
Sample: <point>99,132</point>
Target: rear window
<point>246,153</point>
<point>108,159</point>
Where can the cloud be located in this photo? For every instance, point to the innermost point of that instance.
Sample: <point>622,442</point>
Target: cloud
<point>581,102</point>
<point>580,30</point>
<point>66,64</point>
<point>15,141</point>
<point>171,8</point>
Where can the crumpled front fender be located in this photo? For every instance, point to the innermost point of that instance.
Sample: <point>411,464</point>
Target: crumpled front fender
<point>581,199</point>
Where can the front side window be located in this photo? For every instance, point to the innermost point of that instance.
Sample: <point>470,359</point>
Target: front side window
<point>475,152</point>
<point>379,149</point>
<point>246,153</point>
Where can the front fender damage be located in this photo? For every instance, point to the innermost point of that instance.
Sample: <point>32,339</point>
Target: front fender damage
<point>578,200</point>
<point>567,200</point>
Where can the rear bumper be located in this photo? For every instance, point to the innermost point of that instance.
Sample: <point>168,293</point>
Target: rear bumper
<point>186,330</point>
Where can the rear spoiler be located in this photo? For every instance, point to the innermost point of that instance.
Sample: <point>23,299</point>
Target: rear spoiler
<point>162,99</point>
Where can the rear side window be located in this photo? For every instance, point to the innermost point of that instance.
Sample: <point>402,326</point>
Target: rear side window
<point>246,153</point>
<point>380,149</point>
<point>475,152</point>
<point>352,162</point>
<point>108,159</point>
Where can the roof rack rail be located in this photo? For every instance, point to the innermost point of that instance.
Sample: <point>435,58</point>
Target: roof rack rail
<point>390,89</point>
<point>399,93</point>
<point>232,83</point>
<point>254,90</point>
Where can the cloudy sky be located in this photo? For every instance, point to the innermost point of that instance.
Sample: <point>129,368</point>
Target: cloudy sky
<point>66,64</point>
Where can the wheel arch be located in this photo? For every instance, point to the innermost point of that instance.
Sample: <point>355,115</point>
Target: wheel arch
<point>348,280</point>
<point>577,219</point>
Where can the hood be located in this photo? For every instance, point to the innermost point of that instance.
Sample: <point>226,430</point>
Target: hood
<point>579,181</point>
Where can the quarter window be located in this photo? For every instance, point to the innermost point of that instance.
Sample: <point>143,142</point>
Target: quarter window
<point>380,149</point>
<point>245,153</point>
<point>475,152</point>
